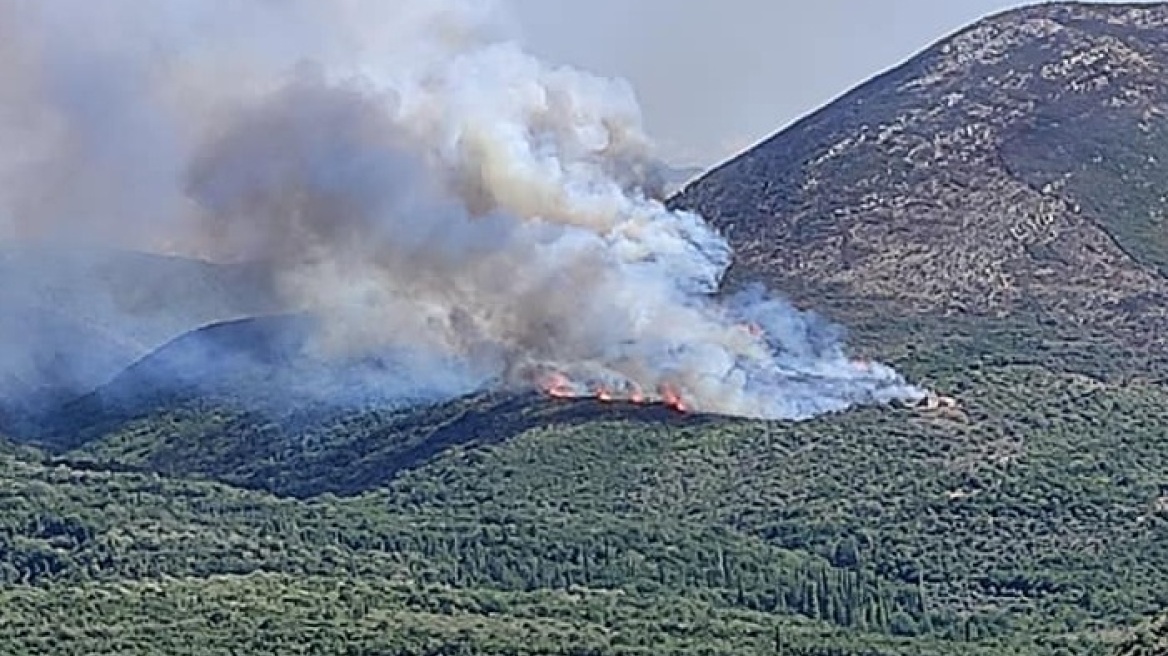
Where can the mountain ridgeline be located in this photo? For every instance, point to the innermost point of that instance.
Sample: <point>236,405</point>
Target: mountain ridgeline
<point>1015,169</point>
<point>986,217</point>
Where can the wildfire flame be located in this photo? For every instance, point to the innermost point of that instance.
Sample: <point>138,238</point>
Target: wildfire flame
<point>637,396</point>
<point>558,385</point>
<point>672,398</point>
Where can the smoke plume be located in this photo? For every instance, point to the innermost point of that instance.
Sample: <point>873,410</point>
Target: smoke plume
<point>414,180</point>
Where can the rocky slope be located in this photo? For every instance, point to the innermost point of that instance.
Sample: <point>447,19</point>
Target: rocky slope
<point>1016,168</point>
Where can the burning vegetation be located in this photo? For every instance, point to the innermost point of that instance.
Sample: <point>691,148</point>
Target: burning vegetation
<point>454,201</point>
<point>558,385</point>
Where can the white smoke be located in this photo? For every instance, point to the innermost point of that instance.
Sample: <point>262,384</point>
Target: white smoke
<point>414,179</point>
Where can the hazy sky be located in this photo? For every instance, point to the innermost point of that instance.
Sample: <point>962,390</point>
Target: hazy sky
<point>715,76</point>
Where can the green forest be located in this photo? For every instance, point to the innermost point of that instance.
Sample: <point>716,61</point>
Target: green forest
<point>1033,519</point>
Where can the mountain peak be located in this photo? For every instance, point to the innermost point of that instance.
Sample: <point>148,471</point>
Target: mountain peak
<point>1063,47</point>
<point>1012,167</point>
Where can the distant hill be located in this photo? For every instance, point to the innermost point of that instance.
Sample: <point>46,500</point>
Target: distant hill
<point>71,319</point>
<point>1015,169</point>
<point>249,402</point>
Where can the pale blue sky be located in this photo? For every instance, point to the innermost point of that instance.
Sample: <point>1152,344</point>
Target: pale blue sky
<point>714,76</point>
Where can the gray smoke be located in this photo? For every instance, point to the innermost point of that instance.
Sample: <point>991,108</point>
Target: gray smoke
<point>411,178</point>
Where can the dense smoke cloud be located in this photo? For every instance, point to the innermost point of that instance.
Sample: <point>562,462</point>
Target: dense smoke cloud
<point>414,180</point>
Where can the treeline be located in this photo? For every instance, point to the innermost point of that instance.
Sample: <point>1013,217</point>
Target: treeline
<point>62,526</point>
<point>275,614</point>
<point>39,546</point>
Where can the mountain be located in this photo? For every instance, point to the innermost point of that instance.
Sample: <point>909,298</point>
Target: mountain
<point>246,402</point>
<point>1031,519</point>
<point>1012,170</point>
<point>72,318</point>
<point>249,402</point>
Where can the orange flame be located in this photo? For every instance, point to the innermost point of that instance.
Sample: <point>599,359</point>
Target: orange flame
<point>672,398</point>
<point>557,385</point>
<point>637,396</point>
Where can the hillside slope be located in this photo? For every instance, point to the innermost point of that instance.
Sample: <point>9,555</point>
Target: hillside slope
<point>70,319</point>
<point>131,563</point>
<point>1015,168</point>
